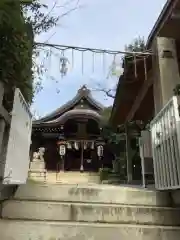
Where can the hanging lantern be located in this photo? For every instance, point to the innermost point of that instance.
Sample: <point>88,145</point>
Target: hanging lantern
<point>69,145</point>
<point>76,145</point>
<point>62,150</point>
<point>100,151</point>
<point>62,146</point>
<point>92,145</point>
<point>85,145</point>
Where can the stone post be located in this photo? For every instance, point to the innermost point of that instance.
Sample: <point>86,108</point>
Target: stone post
<point>168,69</point>
<point>37,169</point>
<point>128,156</point>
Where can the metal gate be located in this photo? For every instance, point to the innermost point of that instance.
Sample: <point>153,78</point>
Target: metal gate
<point>17,155</point>
<point>165,134</point>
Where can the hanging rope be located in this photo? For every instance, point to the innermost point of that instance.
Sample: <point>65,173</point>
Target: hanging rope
<point>145,68</point>
<point>135,66</point>
<point>72,58</point>
<point>95,50</point>
<point>127,55</point>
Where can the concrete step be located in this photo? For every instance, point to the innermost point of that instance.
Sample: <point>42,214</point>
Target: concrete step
<point>35,230</point>
<point>66,177</point>
<point>75,177</point>
<point>87,212</point>
<point>92,193</point>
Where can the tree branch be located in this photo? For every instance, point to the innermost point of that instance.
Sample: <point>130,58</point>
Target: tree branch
<point>108,92</point>
<point>46,17</point>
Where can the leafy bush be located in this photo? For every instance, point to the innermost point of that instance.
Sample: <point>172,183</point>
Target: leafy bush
<point>104,173</point>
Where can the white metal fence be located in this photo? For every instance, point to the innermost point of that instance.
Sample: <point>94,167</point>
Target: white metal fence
<point>165,136</point>
<point>146,157</point>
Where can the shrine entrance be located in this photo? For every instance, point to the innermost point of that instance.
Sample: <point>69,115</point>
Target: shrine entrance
<point>78,124</point>
<point>81,157</point>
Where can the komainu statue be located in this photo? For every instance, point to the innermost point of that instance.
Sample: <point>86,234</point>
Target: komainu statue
<point>39,155</point>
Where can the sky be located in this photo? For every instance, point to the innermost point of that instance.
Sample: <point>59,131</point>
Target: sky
<point>104,24</point>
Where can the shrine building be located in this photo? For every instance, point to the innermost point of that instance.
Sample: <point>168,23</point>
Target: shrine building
<point>77,125</point>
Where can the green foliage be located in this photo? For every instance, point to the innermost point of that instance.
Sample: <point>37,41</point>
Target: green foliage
<point>106,113</point>
<point>18,25</point>
<point>40,18</point>
<point>176,90</point>
<point>36,15</point>
<point>116,136</point>
<point>104,173</point>
<point>15,51</point>
<point>110,136</point>
<point>137,45</point>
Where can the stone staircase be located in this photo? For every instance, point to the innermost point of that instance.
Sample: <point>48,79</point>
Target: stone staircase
<point>66,177</point>
<point>42,211</point>
<point>73,177</point>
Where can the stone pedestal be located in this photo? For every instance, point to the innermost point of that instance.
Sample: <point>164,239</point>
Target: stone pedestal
<point>37,165</point>
<point>37,170</point>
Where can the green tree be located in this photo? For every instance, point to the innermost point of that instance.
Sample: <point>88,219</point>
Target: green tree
<point>41,18</point>
<point>15,68</point>
<point>137,45</point>
<point>106,113</point>
<point>20,22</point>
<point>18,25</point>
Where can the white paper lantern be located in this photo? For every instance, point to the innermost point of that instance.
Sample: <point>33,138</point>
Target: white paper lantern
<point>62,150</point>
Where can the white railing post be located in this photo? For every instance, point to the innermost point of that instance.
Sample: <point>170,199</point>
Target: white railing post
<point>165,134</point>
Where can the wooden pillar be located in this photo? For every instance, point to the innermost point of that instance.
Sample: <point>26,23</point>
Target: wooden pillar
<point>64,157</point>
<point>62,163</point>
<point>128,156</point>
<point>2,121</point>
<point>82,135</point>
<point>82,157</point>
<point>82,129</point>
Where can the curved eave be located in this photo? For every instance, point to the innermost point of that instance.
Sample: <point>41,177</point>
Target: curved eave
<point>72,114</point>
<point>70,105</point>
<point>77,113</point>
<point>164,25</point>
